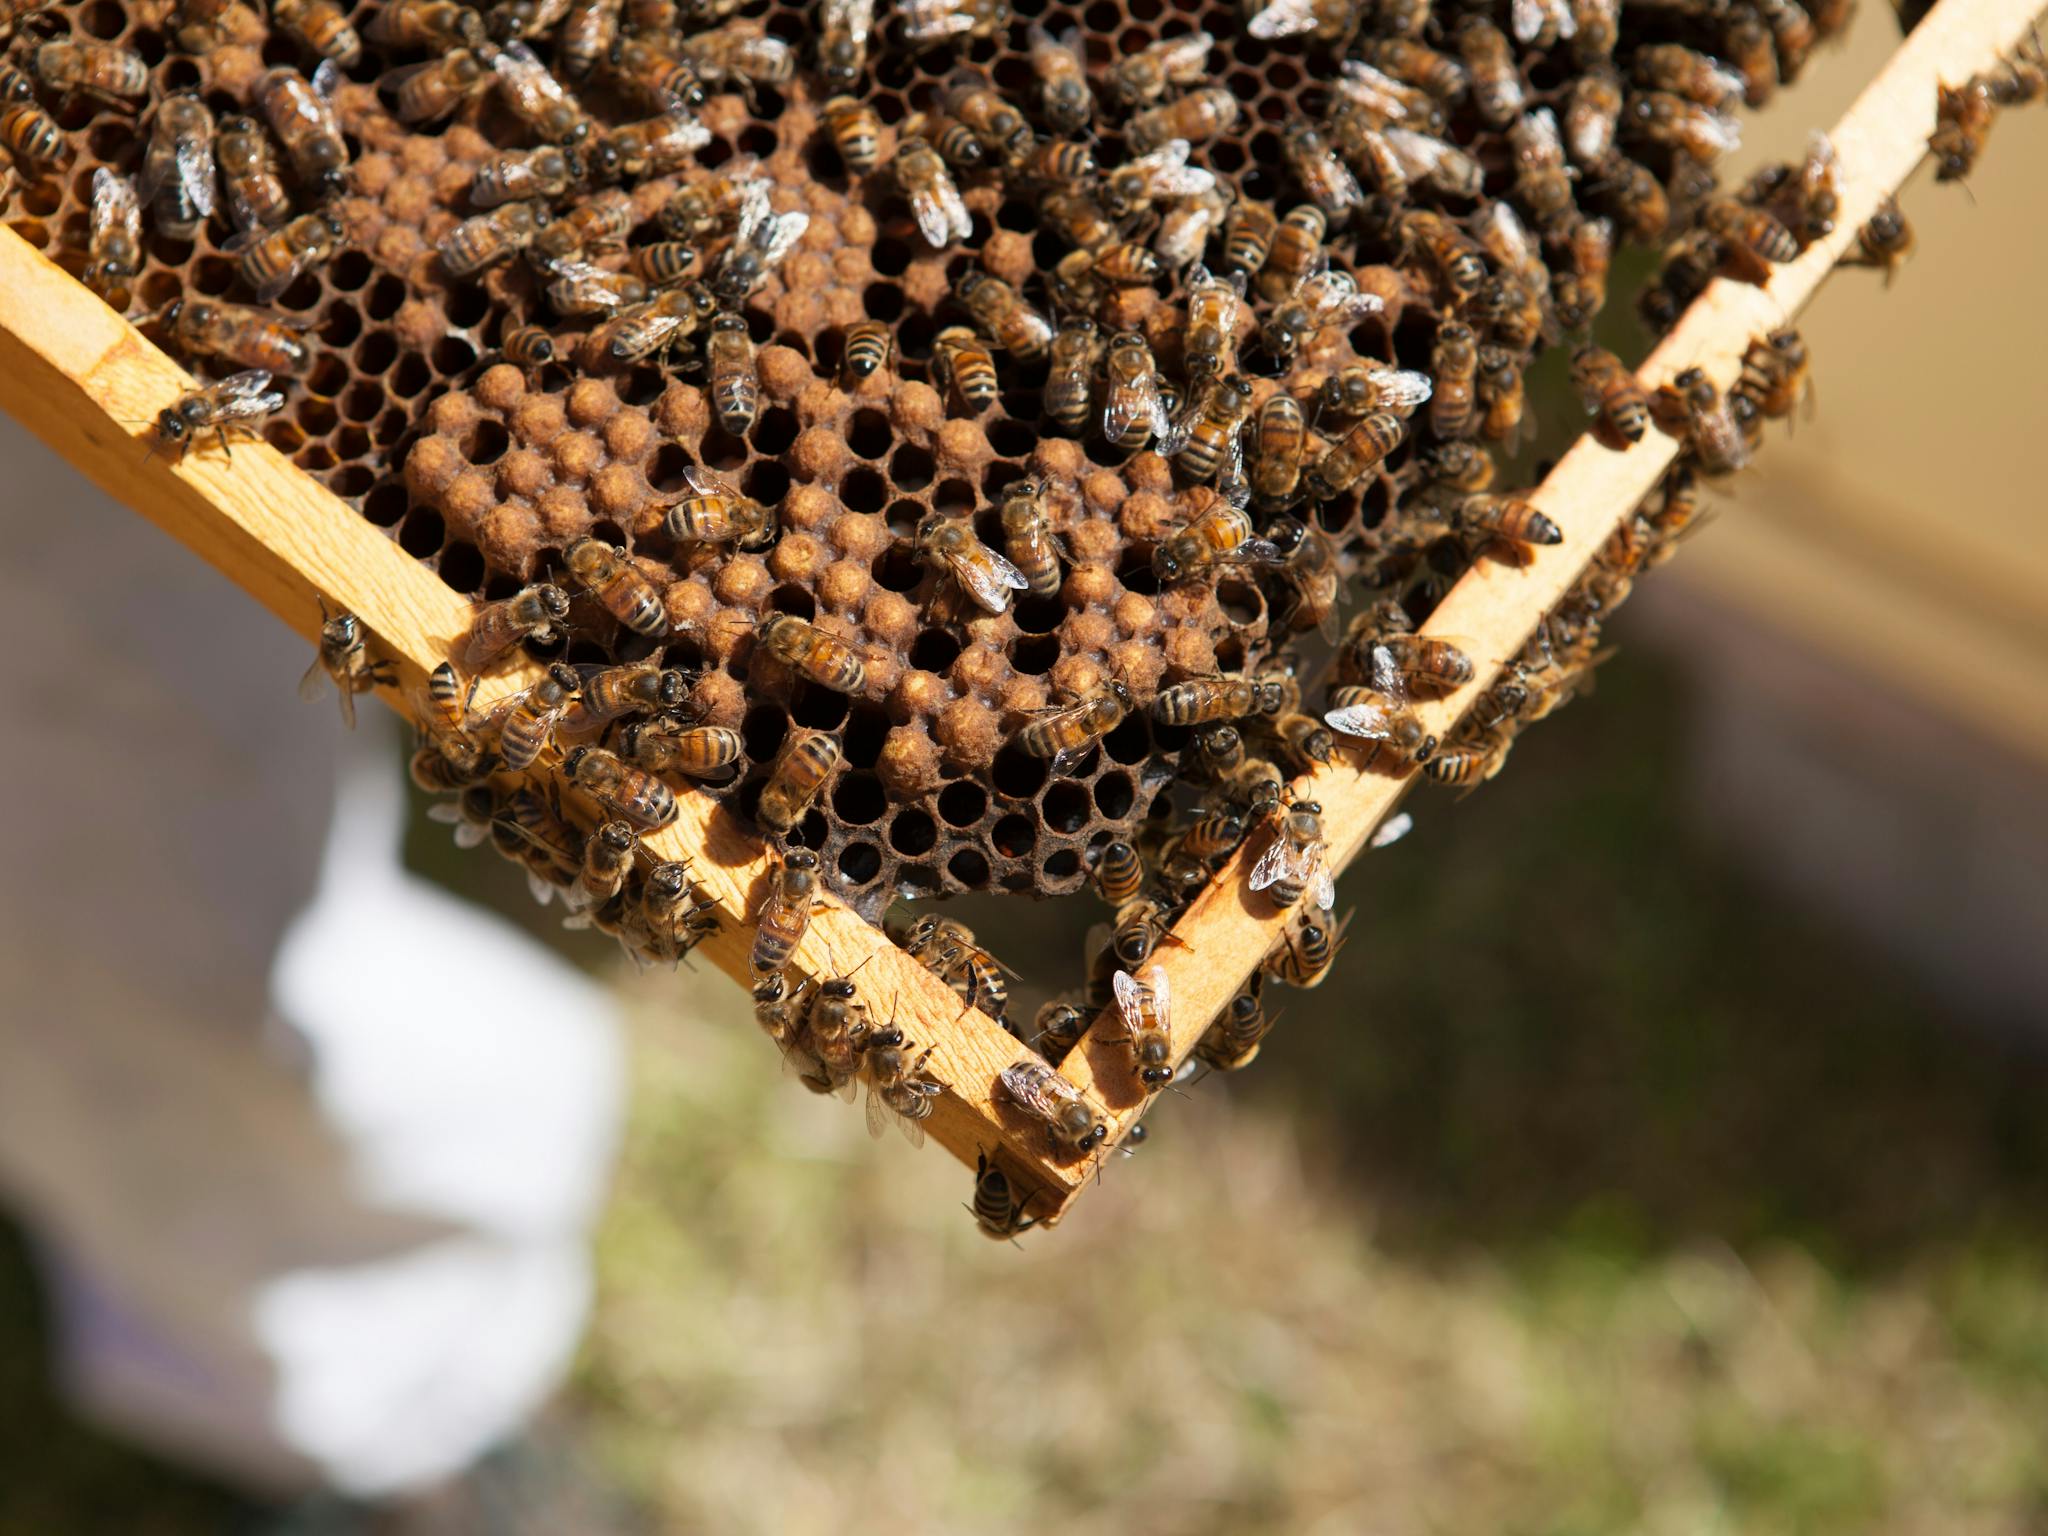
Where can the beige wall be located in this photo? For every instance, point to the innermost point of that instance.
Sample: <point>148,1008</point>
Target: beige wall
<point>1903,529</point>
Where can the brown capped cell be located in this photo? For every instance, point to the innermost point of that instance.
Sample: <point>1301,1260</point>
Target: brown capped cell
<point>1127,309</point>
<point>524,474</point>
<point>372,174</point>
<point>1103,492</point>
<point>844,585</point>
<point>963,445</point>
<point>857,226</point>
<point>629,435</point>
<point>978,668</point>
<point>1188,651</point>
<point>860,535</point>
<point>820,454</point>
<point>539,420</point>
<point>500,387</point>
<point>464,143</point>
<point>451,183</point>
<point>399,247</point>
<point>576,456</point>
<point>1147,516</point>
<point>909,764</point>
<point>682,412</point>
<point>807,506</point>
<point>783,370</point>
<point>508,537</point>
<point>618,491</point>
<point>1089,584</point>
<point>1133,615</point>
<point>468,496</point>
<point>591,402</point>
<point>689,605</point>
<point>969,733</point>
<point>1147,471</point>
<point>797,557</point>
<point>1072,677</point>
<point>418,325</point>
<point>925,285</point>
<point>743,582</point>
<point>433,462</point>
<point>719,698</point>
<point>803,311</point>
<point>843,307</point>
<point>891,618</point>
<point>916,410</point>
<point>1089,630</point>
<point>453,414</point>
<point>1023,693</point>
<point>1058,459</point>
<point>1007,254</point>
<point>917,695</point>
<point>408,199</point>
<point>820,403</point>
<point>564,514</point>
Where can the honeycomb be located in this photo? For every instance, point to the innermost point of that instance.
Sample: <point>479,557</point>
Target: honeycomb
<point>485,472</point>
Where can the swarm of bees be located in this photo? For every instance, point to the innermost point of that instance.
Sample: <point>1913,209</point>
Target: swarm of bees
<point>1301,333</point>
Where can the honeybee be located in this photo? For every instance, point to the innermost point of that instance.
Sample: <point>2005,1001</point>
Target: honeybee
<point>536,97</point>
<point>1029,539</point>
<point>1004,316</point>
<point>1223,535</point>
<point>588,32</point>
<point>1662,118</point>
<point>1807,200</point>
<point>1691,407</point>
<point>1751,238</point>
<point>735,385</point>
<point>1065,733</point>
<point>526,830</point>
<point>659,146</point>
<point>955,142</point>
<point>1542,180</point>
<point>1141,78</point>
<point>1886,241</point>
<point>531,726</point>
<point>646,69</point>
<point>1508,519</point>
<point>1403,666</point>
<point>1458,467</point>
<point>31,136</point>
<point>302,115</point>
<point>248,173</point>
<point>322,28</point>
<point>1282,437</point>
<point>1297,860</point>
<point>670,923</point>
<point>1072,1124</point>
<point>1132,410</point>
<point>1119,874</point>
<point>1310,575</point>
<point>489,238</point>
<point>1774,373</point>
<point>843,28</point>
<point>1203,700</point>
<point>1368,715</point>
<point>450,756</point>
<point>951,545</point>
<point>1387,100</point>
<point>1305,951</point>
<point>1146,1010</point>
<point>1580,292</point>
<point>115,242</point>
<point>1254,786</point>
<point>1611,392</point>
<point>1501,396</point>
<point>932,23</point>
<point>1324,21</point>
<point>1210,341</point>
<point>819,655</point>
<point>961,361</point>
<point>1200,114</point>
<point>1185,228</point>
<point>241,400</point>
<point>581,288</point>
<point>247,337</point>
<point>621,788</point>
<point>700,751</point>
<point>997,1206</point>
<point>609,575</point>
<point>1211,839</point>
<point>1068,387</point>
<point>577,233</point>
<point>1232,1042</point>
<point>344,659</point>
<point>658,324</point>
<point>661,264</point>
<point>757,248</point>
<point>999,126</point>
<point>868,345</point>
<point>1350,392</point>
<point>517,175</point>
<point>1323,176</point>
<point>531,614</point>
<point>1592,110</point>
<point>99,70</point>
<point>785,914</point>
<point>1694,76</point>
<point>1209,437</point>
<point>856,133</point>
<point>899,1086</point>
<point>436,24</point>
<point>742,54</point>
<point>1306,739</point>
<point>1636,197</point>
<point>935,201</point>
<point>1121,264</point>
<point>948,949</point>
<point>1319,302</point>
<point>608,855</point>
<point>1061,66</point>
<point>1497,89</point>
<point>1431,162</point>
<point>1541,23</point>
<point>1470,758</point>
<point>178,167</point>
<point>1248,235</point>
<point>1355,458</point>
<point>436,88</point>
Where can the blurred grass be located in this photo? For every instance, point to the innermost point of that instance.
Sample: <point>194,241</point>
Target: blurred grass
<point>1602,1192</point>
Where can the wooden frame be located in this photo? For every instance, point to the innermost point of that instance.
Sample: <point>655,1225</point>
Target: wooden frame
<point>88,383</point>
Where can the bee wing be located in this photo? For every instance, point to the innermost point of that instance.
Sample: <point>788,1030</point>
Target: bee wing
<point>1392,830</point>
<point>705,483</point>
<point>326,80</point>
<point>1156,980</point>
<point>988,585</point>
<point>1378,93</point>
<point>783,233</point>
<point>1419,153</point>
<point>1722,133</point>
<point>1385,672</point>
<point>1235,487</point>
<point>241,386</point>
<point>912,1131</point>
<point>855,17</point>
<point>1511,236</point>
<point>1545,144</point>
<point>1181,55</point>
<point>1324,889</point>
<point>1526,18</point>
<point>1402,388</point>
<point>879,1112</point>
<point>1271,865</point>
<point>941,216</point>
<point>1364,719</point>
<point>1820,157</point>
<point>1025,1084</point>
<point>113,199</point>
<point>1283,18</point>
<point>314,682</point>
<point>195,173</point>
<point>1130,998</point>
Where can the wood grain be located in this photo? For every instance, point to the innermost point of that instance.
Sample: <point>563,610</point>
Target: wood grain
<point>1229,930</point>
<point>88,383</point>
